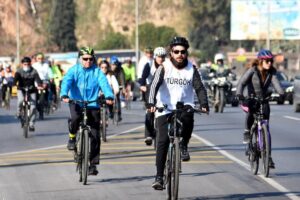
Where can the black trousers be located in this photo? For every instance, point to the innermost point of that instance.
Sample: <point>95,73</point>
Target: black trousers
<point>93,120</point>
<point>249,116</point>
<point>149,124</point>
<point>187,120</point>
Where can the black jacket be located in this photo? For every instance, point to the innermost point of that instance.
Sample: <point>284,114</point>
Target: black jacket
<point>27,79</point>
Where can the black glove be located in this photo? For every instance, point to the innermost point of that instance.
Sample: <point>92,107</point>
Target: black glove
<point>281,97</point>
<point>202,106</point>
<point>240,97</point>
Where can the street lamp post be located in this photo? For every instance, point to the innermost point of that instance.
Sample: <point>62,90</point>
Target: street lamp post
<point>137,31</point>
<point>17,32</point>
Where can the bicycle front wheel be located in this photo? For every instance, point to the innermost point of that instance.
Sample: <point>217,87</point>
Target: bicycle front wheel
<point>266,151</point>
<point>253,152</point>
<point>176,169</point>
<point>26,121</point>
<point>85,154</point>
<point>168,171</point>
<point>103,127</point>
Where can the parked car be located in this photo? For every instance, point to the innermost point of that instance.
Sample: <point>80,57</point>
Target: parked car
<point>287,86</point>
<point>296,94</point>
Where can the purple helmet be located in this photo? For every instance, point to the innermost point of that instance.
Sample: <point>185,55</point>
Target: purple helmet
<point>265,54</point>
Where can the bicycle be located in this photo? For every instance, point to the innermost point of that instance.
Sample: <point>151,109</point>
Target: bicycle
<point>7,98</point>
<point>82,147</point>
<point>103,119</point>
<point>25,111</point>
<point>173,162</point>
<point>260,139</point>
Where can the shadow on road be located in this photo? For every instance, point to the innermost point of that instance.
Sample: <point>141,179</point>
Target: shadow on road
<point>243,196</point>
<point>35,163</point>
<point>125,179</point>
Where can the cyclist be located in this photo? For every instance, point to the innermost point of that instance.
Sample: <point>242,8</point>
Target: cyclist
<point>57,78</point>
<point>105,68</point>
<point>46,75</point>
<point>84,81</point>
<point>145,80</point>
<point>258,79</point>
<point>174,81</point>
<point>118,71</point>
<point>7,80</point>
<point>148,58</point>
<point>129,72</point>
<point>26,77</point>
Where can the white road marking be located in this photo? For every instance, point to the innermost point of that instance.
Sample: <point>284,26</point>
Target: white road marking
<point>290,117</point>
<point>270,181</point>
<point>63,145</point>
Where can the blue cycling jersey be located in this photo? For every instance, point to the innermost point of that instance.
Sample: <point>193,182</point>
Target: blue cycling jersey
<point>85,84</point>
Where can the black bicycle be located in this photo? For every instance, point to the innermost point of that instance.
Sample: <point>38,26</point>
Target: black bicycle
<point>82,148</point>
<point>25,110</point>
<point>260,139</point>
<point>103,119</point>
<point>173,162</point>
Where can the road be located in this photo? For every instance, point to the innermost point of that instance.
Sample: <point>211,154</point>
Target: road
<point>40,167</point>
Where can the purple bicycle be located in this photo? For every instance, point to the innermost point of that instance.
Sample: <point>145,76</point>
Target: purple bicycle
<point>260,139</point>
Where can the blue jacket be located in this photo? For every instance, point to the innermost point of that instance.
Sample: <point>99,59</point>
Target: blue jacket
<point>85,84</point>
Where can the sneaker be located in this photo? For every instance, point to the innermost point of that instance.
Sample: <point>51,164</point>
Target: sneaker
<point>93,170</point>
<point>31,128</point>
<point>158,184</point>
<point>71,144</point>
<point>119,118</point>
<point>271,163</point>
<point>148,141</point>
<point>185,156</point>
<point>246,137</point>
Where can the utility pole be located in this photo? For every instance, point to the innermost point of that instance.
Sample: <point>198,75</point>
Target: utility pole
<point>17,33</point>
<point>268,25</point>
<point>137,32</point>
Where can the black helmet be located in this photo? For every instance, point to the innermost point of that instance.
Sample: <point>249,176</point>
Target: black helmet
<point>26,60</point>
<point>86,51</point>
<point>179,41</point>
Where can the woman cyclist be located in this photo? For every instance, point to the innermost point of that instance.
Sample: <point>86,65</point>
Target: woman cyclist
<point>112,81</point>
<point>258,79</point>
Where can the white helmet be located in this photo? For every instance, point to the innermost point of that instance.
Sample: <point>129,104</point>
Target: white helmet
<point>219,56</point>
<point>160,51</point>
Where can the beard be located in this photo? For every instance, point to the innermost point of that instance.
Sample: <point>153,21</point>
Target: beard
<point>179,65</point>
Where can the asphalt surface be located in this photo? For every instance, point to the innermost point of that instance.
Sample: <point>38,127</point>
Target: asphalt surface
<point>40,167</point>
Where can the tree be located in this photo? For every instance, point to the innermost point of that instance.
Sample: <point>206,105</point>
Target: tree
<point>62,25</point>
<point>150,35</point>
<point>114,41</point>
<point>212,32</point>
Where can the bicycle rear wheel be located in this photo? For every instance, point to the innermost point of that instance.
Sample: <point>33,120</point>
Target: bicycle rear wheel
<point>103,127</point>
<point>176,169</point>
<point>253,152</point>
<point>266,150</point>
<point>26,121</point>
<point>85,154</point>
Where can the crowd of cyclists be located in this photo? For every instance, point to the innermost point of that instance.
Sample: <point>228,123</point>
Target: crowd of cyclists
<point>165,76</point>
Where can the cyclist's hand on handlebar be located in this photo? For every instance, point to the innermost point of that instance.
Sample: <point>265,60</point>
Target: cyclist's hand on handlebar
<point>65,99</point>
<point>151,107</point>
<point>40,88</point>
<point>205,108</point>
<point>143,88</point>
<point>109,102</point>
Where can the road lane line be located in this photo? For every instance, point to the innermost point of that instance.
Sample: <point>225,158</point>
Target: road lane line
<point>64,145</point>
<point>290,117</point>
<point>270,181</point>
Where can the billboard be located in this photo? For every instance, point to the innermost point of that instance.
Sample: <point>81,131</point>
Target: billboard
<point>249,19</point>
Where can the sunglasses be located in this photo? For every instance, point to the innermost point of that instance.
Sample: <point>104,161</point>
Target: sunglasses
<point>182,52</point>
<point>86,59</point>
<point>268,60</point>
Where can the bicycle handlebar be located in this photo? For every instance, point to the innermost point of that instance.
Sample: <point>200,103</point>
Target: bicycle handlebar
<point>85,103</point>
<point>185,108</point>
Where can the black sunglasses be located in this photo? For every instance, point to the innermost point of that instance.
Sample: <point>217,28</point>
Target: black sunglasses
<point>178,51</point>
<point>269,60</point>
<point>86,59</point>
